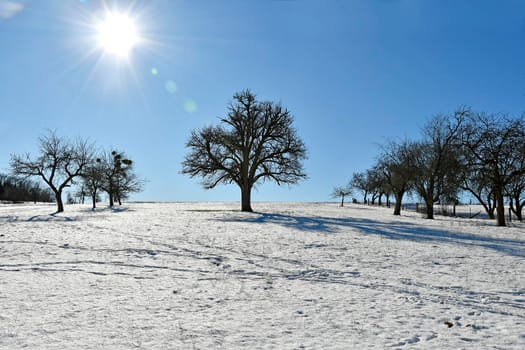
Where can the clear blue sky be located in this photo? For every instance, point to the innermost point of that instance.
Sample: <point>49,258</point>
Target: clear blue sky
<point>353,73</point>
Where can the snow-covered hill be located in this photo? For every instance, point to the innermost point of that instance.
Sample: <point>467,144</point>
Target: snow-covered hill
<point>293,276</point>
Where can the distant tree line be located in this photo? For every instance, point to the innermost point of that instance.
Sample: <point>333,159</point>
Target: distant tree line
<point>13,189</point>
<point>463,152</point>
<point>63,163</point>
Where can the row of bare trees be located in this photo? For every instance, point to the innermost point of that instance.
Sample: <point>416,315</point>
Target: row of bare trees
<point>464,152</point>
<point>255,142</point>
<point>63,163</point>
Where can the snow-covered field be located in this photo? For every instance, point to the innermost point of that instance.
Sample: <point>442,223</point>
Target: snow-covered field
<point>292,276</point>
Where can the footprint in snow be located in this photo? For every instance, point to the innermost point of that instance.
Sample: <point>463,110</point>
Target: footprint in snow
<point>413,340</point>
<point>430,337</point>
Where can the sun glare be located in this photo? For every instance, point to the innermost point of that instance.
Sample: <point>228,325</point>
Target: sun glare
<point>117,34</point>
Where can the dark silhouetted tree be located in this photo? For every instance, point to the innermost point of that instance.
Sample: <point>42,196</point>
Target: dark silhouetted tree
<point>93,180</point>
<point>396,162</point>
<point>375,182</point>
<point>360,183</point>
<point>476,184</point>
<point>60,161</point>
<point>342,192</point>
<point>437,161</point>
<point>493,150</point>
<point>255,142</point>
<point>515,189</point>
<point>117,176</point>
<point>516,193</point>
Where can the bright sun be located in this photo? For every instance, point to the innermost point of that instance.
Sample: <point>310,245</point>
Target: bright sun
<point>117,34</point>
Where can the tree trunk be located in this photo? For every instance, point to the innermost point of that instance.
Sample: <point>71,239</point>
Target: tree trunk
<point>516,206</point>
<point>94,198</point>
<point>246,195</point>
<point>60,204</point>
<point>429,200</point>
<point>342,200</point>
<point>110,194</point>
<point>500,209</point>
<point>399,198</point>
<point>430,208</point>
<point>491,207</point>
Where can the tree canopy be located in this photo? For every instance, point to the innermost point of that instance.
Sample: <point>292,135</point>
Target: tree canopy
<point>255,142</point>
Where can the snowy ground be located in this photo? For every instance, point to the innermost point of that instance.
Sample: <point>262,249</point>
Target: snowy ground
<point>293,276</point>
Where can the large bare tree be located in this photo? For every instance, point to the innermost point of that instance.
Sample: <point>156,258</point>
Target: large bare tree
<point>255,142</point>
<point>60,161</point>
<point>437,159</point>
<point>493,149</point>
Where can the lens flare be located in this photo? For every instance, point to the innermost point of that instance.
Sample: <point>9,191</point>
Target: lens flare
<point>170,86</point>
<point>190,106</point>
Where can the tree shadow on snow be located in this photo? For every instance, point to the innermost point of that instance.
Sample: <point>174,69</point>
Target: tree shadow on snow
<point>102,209</point>
<point>49,217</point>
<point>390,230</point>
<point>118,209</point>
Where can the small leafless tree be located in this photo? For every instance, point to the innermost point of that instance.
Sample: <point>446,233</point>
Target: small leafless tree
<point>516,193</point>
<point>255,142</point>
<point>128,183</point>
<point>515,190</point>
<point>93,179</point>
<point>342,191</point>
<point>113,173</point>
<point>376,184</point>
<point>360,183</point>
<point>59,163</point>
<point>396,162</point>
